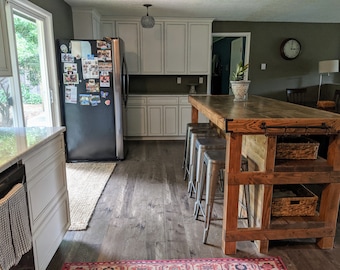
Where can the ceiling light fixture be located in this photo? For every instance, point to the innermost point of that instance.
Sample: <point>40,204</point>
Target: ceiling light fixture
<point>147,21</point>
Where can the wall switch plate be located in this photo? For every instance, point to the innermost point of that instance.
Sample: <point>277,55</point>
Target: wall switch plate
<point>200,80</point>
<point>179,80</point>
<point>263,66</point>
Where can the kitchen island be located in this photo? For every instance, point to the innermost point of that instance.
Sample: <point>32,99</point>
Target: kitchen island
<point>251,129</point>
<point>42,151</point>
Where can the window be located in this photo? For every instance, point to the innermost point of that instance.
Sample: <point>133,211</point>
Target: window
<point>30,97</point>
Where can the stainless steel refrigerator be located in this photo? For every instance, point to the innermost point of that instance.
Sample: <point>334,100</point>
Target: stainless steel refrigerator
<point>93,94</point>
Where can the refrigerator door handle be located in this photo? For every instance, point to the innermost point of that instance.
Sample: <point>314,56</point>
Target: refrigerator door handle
<point>126,83</point>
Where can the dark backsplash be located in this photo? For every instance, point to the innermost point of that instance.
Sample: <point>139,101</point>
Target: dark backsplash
<point>165,84</point>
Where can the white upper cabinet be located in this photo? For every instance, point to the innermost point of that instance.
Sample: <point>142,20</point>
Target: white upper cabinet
<point>129,32</point>
<point>5,60</point>
<point>152,49</point>
<point>86,23</point>
<point>175,47</point>
<point>199,48</point>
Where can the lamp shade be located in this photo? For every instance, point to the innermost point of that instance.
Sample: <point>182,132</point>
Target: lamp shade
<point>329,66</point>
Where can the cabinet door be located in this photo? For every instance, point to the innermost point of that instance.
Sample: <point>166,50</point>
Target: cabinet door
<point>155,121</point>
<point>175,48</point>
<point>136,124</point>
<point>129,32</point>
<point>5,60</point>
<point>170,120</point>
<point>199,48</point>
<point>184,119</point>
<point>152,49</point>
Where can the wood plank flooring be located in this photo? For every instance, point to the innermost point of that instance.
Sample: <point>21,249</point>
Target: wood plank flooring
<point>145,213</point>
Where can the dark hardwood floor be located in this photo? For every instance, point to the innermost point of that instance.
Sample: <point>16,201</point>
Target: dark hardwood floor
<point>145,213</point>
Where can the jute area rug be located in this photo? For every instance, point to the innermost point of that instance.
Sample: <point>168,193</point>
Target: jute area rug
<point>85,183</point>
<point>272,263</point>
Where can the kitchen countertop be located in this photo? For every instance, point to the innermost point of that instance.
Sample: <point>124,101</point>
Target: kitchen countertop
<point>15,142</point>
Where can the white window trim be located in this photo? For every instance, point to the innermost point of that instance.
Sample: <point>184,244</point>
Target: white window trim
<point>30,8</point>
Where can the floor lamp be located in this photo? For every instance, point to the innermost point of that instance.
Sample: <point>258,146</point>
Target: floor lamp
<point>326,67</point>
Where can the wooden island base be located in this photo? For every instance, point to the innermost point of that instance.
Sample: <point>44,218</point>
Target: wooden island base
<point>251,129</point>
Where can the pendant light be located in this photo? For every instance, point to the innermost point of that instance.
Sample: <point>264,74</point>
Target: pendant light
<point>147,21</point>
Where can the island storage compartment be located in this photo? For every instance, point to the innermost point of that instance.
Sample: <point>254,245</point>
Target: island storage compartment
<point>296,147</point>
<point>293,200</point>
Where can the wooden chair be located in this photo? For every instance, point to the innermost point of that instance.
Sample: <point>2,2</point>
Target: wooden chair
<point>296,95</point>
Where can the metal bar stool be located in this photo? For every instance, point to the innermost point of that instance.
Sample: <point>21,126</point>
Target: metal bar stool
<point>190,126</point>
<point>213,163</point>
<point>193,134</point>
<point>201,145</point>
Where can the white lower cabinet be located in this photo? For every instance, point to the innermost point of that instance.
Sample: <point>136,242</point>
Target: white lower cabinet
<point>136,117</point>
<point>47,199</point>
<point>162,116</point>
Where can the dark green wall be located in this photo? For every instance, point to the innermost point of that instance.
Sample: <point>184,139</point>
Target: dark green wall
<point>319,42</point>
<point>62,17</point>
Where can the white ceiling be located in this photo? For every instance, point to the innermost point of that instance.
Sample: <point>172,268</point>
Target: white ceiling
<point>323,11</point>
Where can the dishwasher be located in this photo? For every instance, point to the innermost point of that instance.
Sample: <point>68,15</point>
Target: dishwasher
<point>8,179</point>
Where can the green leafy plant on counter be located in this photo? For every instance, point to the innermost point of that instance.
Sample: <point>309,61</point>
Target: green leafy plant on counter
<point>238,74</point>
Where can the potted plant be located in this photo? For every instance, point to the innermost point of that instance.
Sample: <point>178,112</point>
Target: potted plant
<point>239,86</point>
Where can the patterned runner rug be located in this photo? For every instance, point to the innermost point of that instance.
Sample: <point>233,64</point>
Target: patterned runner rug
<point>85,183</point>
<point>272,263</point>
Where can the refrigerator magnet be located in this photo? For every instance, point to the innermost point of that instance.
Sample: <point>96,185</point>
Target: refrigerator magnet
<point>84,99</point>
<point>63,48</point>
<point>94,100</point>
<point>107,102</point>
<point>71,78</point>
<point>104,80</point>
<point>104,94</point>
<point>67,57</point>
<point>70,94</point>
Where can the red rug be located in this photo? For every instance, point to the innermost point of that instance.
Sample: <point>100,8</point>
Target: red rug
<point>270,263</point>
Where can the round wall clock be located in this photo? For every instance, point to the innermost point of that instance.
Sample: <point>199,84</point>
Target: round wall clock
<point>290,48</point>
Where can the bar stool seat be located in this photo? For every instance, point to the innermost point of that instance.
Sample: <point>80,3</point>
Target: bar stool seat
<point>201,145</point>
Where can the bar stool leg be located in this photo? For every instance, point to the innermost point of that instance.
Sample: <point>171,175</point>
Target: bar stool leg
<point>199,193</point>
<point>211,185</point>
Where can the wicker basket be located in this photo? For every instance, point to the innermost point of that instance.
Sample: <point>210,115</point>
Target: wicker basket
<point>293,200</point>
<point>294,147</point>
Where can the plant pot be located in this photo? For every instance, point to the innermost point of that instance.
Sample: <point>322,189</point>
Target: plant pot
<point>240,90</point>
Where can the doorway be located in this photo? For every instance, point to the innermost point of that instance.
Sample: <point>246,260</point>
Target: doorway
<point>228,49</point>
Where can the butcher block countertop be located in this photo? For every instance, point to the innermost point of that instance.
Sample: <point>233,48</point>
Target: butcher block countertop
<point>259,115</point>
<point>15,142</point>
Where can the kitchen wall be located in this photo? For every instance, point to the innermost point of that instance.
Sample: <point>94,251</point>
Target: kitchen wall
<point>319,42</point>
<point>62,16</point>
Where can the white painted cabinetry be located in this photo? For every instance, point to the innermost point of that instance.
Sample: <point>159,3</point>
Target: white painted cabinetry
<point>5,60</point>
<point>47,198</point>
<point>158,116</point>
<point>199,48</point>
<point>175,48</point>
<point>129,32</point>
<point>136,117</point>
<point>152,49</point>
<point>162,116</point>
<point>86,23</point>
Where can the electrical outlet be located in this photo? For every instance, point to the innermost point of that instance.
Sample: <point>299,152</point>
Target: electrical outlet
<point>179,80</point>
<point>200,80</point>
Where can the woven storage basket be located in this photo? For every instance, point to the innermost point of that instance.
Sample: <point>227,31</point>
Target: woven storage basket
<point>293,200</point>
<point>294,147</point>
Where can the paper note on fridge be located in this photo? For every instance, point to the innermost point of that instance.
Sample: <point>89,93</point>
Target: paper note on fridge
<point>80,49</point>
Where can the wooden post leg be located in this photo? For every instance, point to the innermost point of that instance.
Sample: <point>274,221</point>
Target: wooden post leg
<point>329,207</point>
<point>194,115</point>
<point>231,192</point>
